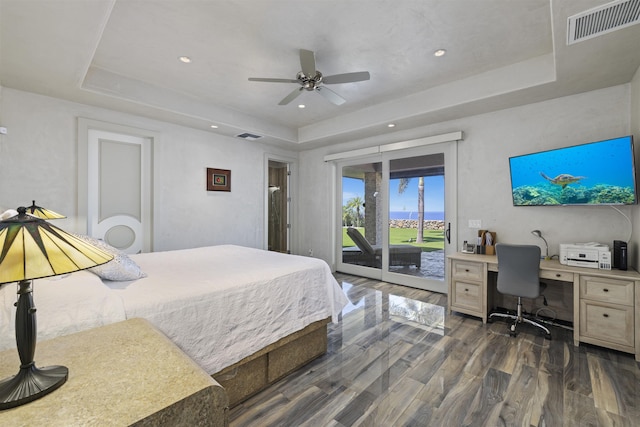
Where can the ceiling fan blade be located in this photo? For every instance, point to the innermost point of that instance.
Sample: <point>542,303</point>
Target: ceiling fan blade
<point>330,95</point>
<point>358,76</point>
<point>293,95</point>
<point>308,62</point>
<point>260,79</point>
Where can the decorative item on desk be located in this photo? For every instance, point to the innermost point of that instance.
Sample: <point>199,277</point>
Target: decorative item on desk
<point>468,248</point>
<point>486,242</point>
<point>31,248</point>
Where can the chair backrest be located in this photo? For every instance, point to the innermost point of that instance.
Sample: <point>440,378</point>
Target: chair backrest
<point>360,241</point>
<point>518,270</point>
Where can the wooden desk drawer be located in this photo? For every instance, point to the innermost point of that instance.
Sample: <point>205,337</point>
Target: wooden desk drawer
<point>607,322</point>
<point>467,270</point>
<point>467,295</point>
<point>607,290</point>
<point>563,276</point>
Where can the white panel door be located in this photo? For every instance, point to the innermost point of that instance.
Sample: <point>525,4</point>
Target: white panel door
<point>118,184</point>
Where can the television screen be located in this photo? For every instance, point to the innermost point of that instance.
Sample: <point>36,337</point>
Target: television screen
<point>597,173</point>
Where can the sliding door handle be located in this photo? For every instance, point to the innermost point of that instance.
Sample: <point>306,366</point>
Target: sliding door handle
<point>447,233</point>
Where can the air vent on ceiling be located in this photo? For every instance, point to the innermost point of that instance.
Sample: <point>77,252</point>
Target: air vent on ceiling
<point>603,19</point>
<point>249,136</point>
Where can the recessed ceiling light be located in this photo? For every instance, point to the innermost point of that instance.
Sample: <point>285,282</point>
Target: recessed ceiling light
<point>184,59</point>
<point>301,106</point>
<point>391,125</point>
<point>214,126</point>
<point>439,52</point>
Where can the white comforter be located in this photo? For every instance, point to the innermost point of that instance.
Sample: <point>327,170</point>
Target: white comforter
<point>219,304</point>
<point>65,304</point>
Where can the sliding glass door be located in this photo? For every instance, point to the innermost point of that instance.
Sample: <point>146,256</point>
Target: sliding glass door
<point>361,223</point>
<point>396,214</point>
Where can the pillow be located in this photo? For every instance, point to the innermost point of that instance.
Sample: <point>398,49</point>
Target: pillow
<point>121,268</point>
<point>8,214</point>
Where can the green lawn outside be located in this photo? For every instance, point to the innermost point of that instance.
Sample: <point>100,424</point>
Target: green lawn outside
<point>433,239</point>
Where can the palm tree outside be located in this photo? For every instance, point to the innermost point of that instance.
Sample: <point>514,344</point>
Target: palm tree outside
<point>402,186</point>
<point>353,206</point>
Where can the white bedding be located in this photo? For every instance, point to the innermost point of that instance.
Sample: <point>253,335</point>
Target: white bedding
<point>65,304</point>
<point>219,304</point>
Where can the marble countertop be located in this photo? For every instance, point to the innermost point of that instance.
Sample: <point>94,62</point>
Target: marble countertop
<point>119,374</point>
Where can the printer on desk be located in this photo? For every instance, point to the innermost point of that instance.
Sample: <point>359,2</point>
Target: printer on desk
<point>590,255</point>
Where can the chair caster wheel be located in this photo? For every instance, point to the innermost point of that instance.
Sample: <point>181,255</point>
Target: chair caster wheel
<point>547,337</point>
<point>513,328</point>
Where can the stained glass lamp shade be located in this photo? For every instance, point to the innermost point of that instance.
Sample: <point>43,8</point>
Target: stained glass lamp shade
<point>43,213</point>
<point>31,248</point>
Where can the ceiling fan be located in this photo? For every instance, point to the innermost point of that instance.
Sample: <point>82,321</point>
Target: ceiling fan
<point>312,80</point>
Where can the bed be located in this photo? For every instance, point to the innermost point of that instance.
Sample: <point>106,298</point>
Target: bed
<point>247,316</point>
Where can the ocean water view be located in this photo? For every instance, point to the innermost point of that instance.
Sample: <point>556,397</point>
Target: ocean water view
<point>435,215</point>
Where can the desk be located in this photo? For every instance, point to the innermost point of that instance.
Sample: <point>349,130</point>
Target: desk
<point>606,303</point>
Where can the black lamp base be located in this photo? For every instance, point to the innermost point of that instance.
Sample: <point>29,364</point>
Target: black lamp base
<point>30,384</point>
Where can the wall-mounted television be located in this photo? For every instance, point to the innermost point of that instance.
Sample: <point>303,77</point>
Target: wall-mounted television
<point>597,173</point>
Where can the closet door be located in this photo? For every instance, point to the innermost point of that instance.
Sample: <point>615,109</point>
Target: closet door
<point>118,198</point>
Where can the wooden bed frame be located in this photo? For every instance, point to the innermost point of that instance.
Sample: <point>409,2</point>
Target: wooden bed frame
<point>263,368</point>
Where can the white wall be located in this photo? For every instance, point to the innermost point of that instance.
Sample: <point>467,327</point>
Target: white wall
<point>634,246</point>
<point>483,171</point>
<point>38,160</point>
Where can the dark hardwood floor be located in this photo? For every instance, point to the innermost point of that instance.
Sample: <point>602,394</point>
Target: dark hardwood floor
<point>397,358</point>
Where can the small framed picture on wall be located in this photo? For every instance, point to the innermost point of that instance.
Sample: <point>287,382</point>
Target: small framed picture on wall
<point>218,179</point>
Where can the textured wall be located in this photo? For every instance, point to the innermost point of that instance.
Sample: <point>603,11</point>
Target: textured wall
<point>38,160</point>
<point>483,171</point>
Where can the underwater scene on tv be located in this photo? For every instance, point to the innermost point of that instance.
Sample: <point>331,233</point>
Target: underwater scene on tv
<point>589,174</point>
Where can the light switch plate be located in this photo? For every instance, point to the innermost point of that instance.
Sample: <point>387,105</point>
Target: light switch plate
<point>475,223</point>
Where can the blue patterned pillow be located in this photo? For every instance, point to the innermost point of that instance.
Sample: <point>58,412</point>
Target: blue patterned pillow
<point>121,268</point>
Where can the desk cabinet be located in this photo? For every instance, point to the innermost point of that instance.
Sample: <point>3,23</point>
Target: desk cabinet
<point>467,293</point>
<point>606,303</point>
<point>607,312</point>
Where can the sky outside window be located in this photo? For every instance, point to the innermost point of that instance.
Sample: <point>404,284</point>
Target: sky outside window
<point>407,201</point>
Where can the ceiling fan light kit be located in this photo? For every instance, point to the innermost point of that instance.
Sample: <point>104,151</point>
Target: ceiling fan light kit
<point>312,80</point>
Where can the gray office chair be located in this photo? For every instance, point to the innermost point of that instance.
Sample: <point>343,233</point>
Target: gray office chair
<point>519,276</point>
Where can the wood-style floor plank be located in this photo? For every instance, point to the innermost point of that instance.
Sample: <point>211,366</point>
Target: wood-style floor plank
<point>397,358</point>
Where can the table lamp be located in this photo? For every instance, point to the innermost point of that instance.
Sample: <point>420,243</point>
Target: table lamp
<point>31,248</point>
<point>538,233</point>
<point>43,213</point>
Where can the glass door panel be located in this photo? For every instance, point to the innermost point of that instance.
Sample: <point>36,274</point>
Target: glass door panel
<point>421,206</point>
<point>278,207</point>
<point>416,216</point>
<point>361,223</point>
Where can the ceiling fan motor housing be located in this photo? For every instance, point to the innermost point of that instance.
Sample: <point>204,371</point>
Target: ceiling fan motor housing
<point>309,83</point>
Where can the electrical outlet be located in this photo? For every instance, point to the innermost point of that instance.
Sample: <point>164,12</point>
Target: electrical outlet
<point>310,252</point>
<point>475,223</point>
